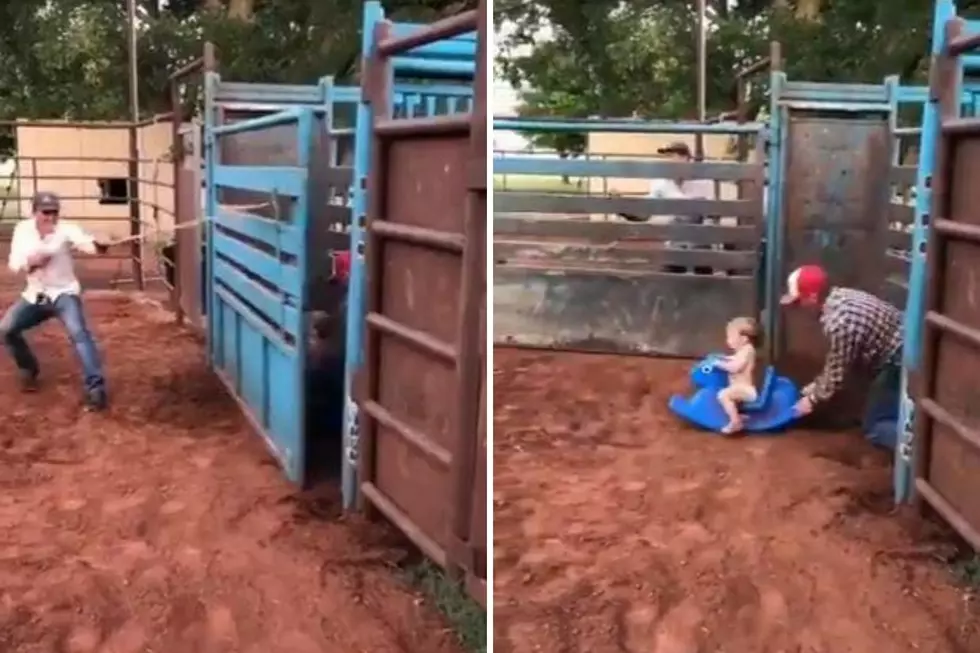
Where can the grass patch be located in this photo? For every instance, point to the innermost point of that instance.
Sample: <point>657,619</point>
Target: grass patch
<point>540,183</point>
<point>967,571</point>
<point>467,618</point>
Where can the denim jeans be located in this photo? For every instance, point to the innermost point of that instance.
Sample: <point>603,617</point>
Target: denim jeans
<point>25,315</point>
<point>880,423</point>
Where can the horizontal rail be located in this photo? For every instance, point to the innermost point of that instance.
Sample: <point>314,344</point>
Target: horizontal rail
<point>948,513</point>
<point>901,240</point>
<point>270,305</point>
<point>434,238</point>
<point>901,213</point>
<point>255,321</point>
<point>187,69</point>
<point>600,125</point>
<point>280,180</point>
<point>519,202</point>
<point>386,507</point>
<point>69,124</point>
<point>957,230</point>
<point>404,89</point>
<point>846,106</point>
<point>519,252</point>
<point>834,92</point>
<point>902,174</point>
<point>84,159</point>
<point>942,416</point>
<point>754,67</point>
<point>32,177</point>
<point>435,126</point>
<point>965,333</point>
<point>419,339</point>
<point>626,169</point>
<point>274,234</point>
<point>418,67</point>
<point>920,94</point>
<point>262,122</point>
<point>417,439</point>
<point>907,131</point>
<point>961,126</point>
<point>608,231</point>
<point>258,93</point>
<point>441,30</point>
<point>963,44</point>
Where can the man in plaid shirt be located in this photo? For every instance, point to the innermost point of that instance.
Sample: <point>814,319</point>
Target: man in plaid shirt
<point>862,330</point>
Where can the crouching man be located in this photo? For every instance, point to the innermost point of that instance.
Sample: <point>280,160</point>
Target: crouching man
<point>42,249</point>
<point>862,330</point>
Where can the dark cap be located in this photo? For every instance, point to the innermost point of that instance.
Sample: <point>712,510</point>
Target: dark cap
<point>46,201</point>
<point>677,147</point>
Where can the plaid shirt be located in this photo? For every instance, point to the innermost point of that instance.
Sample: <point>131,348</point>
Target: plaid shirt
<point>862,330</point>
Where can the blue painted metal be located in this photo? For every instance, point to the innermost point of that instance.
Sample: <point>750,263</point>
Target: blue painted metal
<point>256,332</point>
<point>604,125</point>
<point>769,415</point>
<point>449,58</point>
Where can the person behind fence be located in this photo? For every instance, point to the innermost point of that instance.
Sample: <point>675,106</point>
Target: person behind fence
<point>741,336</point>
<point>690,189</point>
<point>41,249</point>
<point>862,330</point>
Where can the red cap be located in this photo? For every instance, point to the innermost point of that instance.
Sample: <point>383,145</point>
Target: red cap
<point>807,283</point>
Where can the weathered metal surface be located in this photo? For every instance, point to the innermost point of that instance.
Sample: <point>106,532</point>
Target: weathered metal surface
<point>948,428</point>
<point>329,186</point>
<point>416,387</point>
<point>632,313</point>
<point>623,256</point>
<point>257,333</point>
<point>625,287</point>
<point>188,256</point>
<point>425,259</point>
<point>559,227</point>
<point>836,181</point>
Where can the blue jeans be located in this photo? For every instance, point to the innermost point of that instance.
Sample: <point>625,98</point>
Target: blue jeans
<point>25,315</point>
<point>880,423</point>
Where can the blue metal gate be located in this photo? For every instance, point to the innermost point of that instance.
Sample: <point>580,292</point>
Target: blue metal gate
<point>256,288</point>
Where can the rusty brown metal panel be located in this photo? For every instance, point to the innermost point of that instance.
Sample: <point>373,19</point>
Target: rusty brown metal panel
<point>836,183</point>
<point>650,313</point>
<point>477,569</point>
<point>951,461</point>
<point>425,262</point>
<point>431,182</point>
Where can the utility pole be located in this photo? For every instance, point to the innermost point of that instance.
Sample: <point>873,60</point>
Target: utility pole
<point>135,226</point>
<point>702,56</point>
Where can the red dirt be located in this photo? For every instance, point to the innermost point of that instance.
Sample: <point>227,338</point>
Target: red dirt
<point>164,526</point>
<point>618,529</point>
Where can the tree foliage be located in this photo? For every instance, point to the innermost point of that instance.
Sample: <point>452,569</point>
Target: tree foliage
<point>68,58</point>
<point>638,57</point>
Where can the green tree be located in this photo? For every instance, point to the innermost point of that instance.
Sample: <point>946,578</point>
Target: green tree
<point>637,57</point>
<point>68,58</point>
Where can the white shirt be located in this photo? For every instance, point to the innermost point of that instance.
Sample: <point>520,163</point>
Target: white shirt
<point>58,276</point>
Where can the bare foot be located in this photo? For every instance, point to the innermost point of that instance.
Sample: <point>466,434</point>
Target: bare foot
<point>733,427</point>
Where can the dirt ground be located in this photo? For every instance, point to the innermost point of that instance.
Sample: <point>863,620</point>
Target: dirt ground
<point>163,526</point>
<point>617,529</point>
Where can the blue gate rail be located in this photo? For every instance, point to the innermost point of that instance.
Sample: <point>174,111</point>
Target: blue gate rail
<point>256,332</point>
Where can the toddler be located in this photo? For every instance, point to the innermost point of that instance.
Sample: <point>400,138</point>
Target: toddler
<point>740,336</point>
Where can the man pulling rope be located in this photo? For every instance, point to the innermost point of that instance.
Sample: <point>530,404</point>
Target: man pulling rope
<point>42,250</point>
